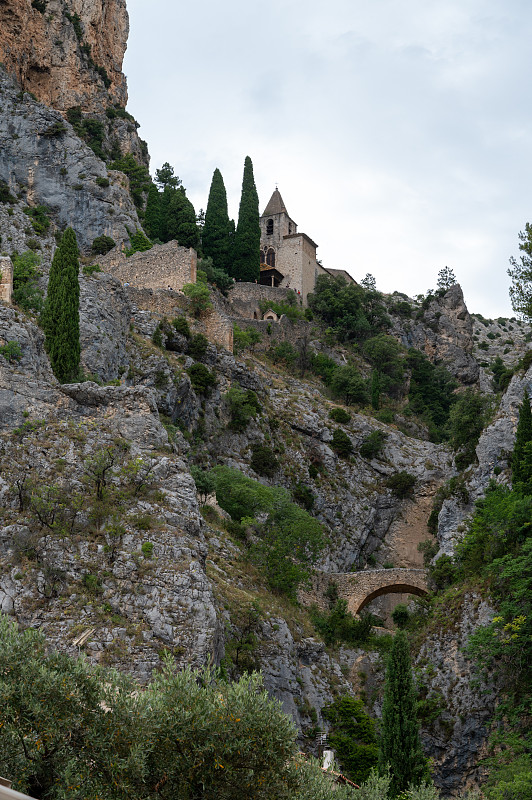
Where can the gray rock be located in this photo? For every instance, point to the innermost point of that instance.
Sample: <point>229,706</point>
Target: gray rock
<point>46,169</point>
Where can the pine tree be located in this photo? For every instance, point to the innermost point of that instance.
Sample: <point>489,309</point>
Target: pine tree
<point>152,216</point>
<point>60,317</point>
<point>400,746</point>
<point>246,251</point>
<point>216,237</point>
<point>520,471</point>
<point>181,218</point>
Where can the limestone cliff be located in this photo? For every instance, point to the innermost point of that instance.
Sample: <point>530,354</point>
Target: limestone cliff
<point>66,53</point>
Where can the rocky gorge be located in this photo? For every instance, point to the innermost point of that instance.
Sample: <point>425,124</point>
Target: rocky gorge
<point>137,564</point>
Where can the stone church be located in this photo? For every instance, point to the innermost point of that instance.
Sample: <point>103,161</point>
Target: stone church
<point>288,258</point>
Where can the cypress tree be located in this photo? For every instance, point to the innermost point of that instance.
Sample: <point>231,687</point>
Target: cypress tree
<point>246,251</point>
<point>522,437</point>
<point>60,317</point>
<point>216,237</point>
<point>400,746</point>
<point>152,217</point>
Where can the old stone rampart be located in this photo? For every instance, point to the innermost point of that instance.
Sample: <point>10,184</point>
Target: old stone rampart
<point>360,588</point>
<point>6,279</point>
<point>165,266</point>
<point>245,298</point>
<point>214,324</point>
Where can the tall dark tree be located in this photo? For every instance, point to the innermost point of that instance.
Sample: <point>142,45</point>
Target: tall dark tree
<point>400,746</point>
<point>246,251</point>
<point>60,318</point>
<point>216,236</point>
<point>520,469</point>
<point>181,219</point>
<point>152,216</point>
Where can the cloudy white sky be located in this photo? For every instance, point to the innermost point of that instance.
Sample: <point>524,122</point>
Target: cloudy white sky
<point>398,131</point>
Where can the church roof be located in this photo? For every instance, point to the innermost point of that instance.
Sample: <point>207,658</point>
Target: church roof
<point>275,206</point>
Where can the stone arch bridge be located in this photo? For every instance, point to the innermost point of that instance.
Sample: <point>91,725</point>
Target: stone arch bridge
<point>360,588</point>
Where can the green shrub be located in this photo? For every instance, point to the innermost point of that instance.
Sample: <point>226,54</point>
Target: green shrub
<point>147,549</point>
<point>197,346</point>
<point>341,443</point>
<point>102,244</point>
<point>199,297</point>
<point>157,335</point>
<point>400,615</point>
<point>139,243</point>
<point>26,291</point>
<point>263,460</point>
<point>182,327</point>
<point>138,174</point>
<point>339,415</point>
<point>468,417</point>
<point>401,484</point>
<point>5,194</point>
<point>202,379</point>
<point>39,219</point>
<point>303,495</point>
<point>373,444</point>
<point>340,626</point>
<point>352,735</point>
<point>11,351</point>
<point>242,339</point>
<point>103,183</point>
<point>90,269</point>
<point>286,542</point>
<point>283,353</point>
<point>243,406</point>
<point>205,482</point>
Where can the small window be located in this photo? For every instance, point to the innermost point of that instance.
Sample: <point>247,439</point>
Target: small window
<point>269,227</point>
<point>270,258</point>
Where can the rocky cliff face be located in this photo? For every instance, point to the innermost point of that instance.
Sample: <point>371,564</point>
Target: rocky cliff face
<point>44,163</point>
<point>66,54</point>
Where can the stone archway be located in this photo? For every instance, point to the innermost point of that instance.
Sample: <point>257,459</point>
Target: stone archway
<point>360,588</point>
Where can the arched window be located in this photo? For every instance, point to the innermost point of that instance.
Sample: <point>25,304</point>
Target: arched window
<point>262,257</point>
<point>269,227</point>
<point>270,257</point>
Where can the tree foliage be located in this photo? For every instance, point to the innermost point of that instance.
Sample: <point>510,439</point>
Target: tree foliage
<point>217,231</point>
<point>446,279</point>
<point>520,272</point>
<point>400,746</point>
<point>26,274</point>
<point>353,312</point>
<point>287,540</point>
<point>60,318</point>
<point>520,464</point>
<point>245,262</point>
<point>352,735</point>
<point>467,419</point>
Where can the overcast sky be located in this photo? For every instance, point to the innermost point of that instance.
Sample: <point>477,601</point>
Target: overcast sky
<point>398,131</point>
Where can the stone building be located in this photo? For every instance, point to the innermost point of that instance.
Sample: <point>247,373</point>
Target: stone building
<point>288,258</point>
<point>165,266</point>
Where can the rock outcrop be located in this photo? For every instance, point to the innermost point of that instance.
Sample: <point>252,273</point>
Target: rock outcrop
<point>66,54</point>
<point>44,163</point>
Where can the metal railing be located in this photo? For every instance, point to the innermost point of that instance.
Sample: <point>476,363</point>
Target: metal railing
<point>6,793</point>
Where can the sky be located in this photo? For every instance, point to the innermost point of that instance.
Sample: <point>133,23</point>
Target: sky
<point>399,132</point>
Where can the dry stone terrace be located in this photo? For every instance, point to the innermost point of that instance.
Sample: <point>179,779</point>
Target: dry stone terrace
<point>360,588</point>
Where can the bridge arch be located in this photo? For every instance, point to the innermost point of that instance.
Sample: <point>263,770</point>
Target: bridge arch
<point>355,604</point>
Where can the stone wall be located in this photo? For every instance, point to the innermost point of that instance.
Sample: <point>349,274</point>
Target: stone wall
<point>246,297</point>
<point>165,266</point>
<point>276,332</point>
<point>215,324</point>
<point>6,279</point>
<point>358,588</point>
